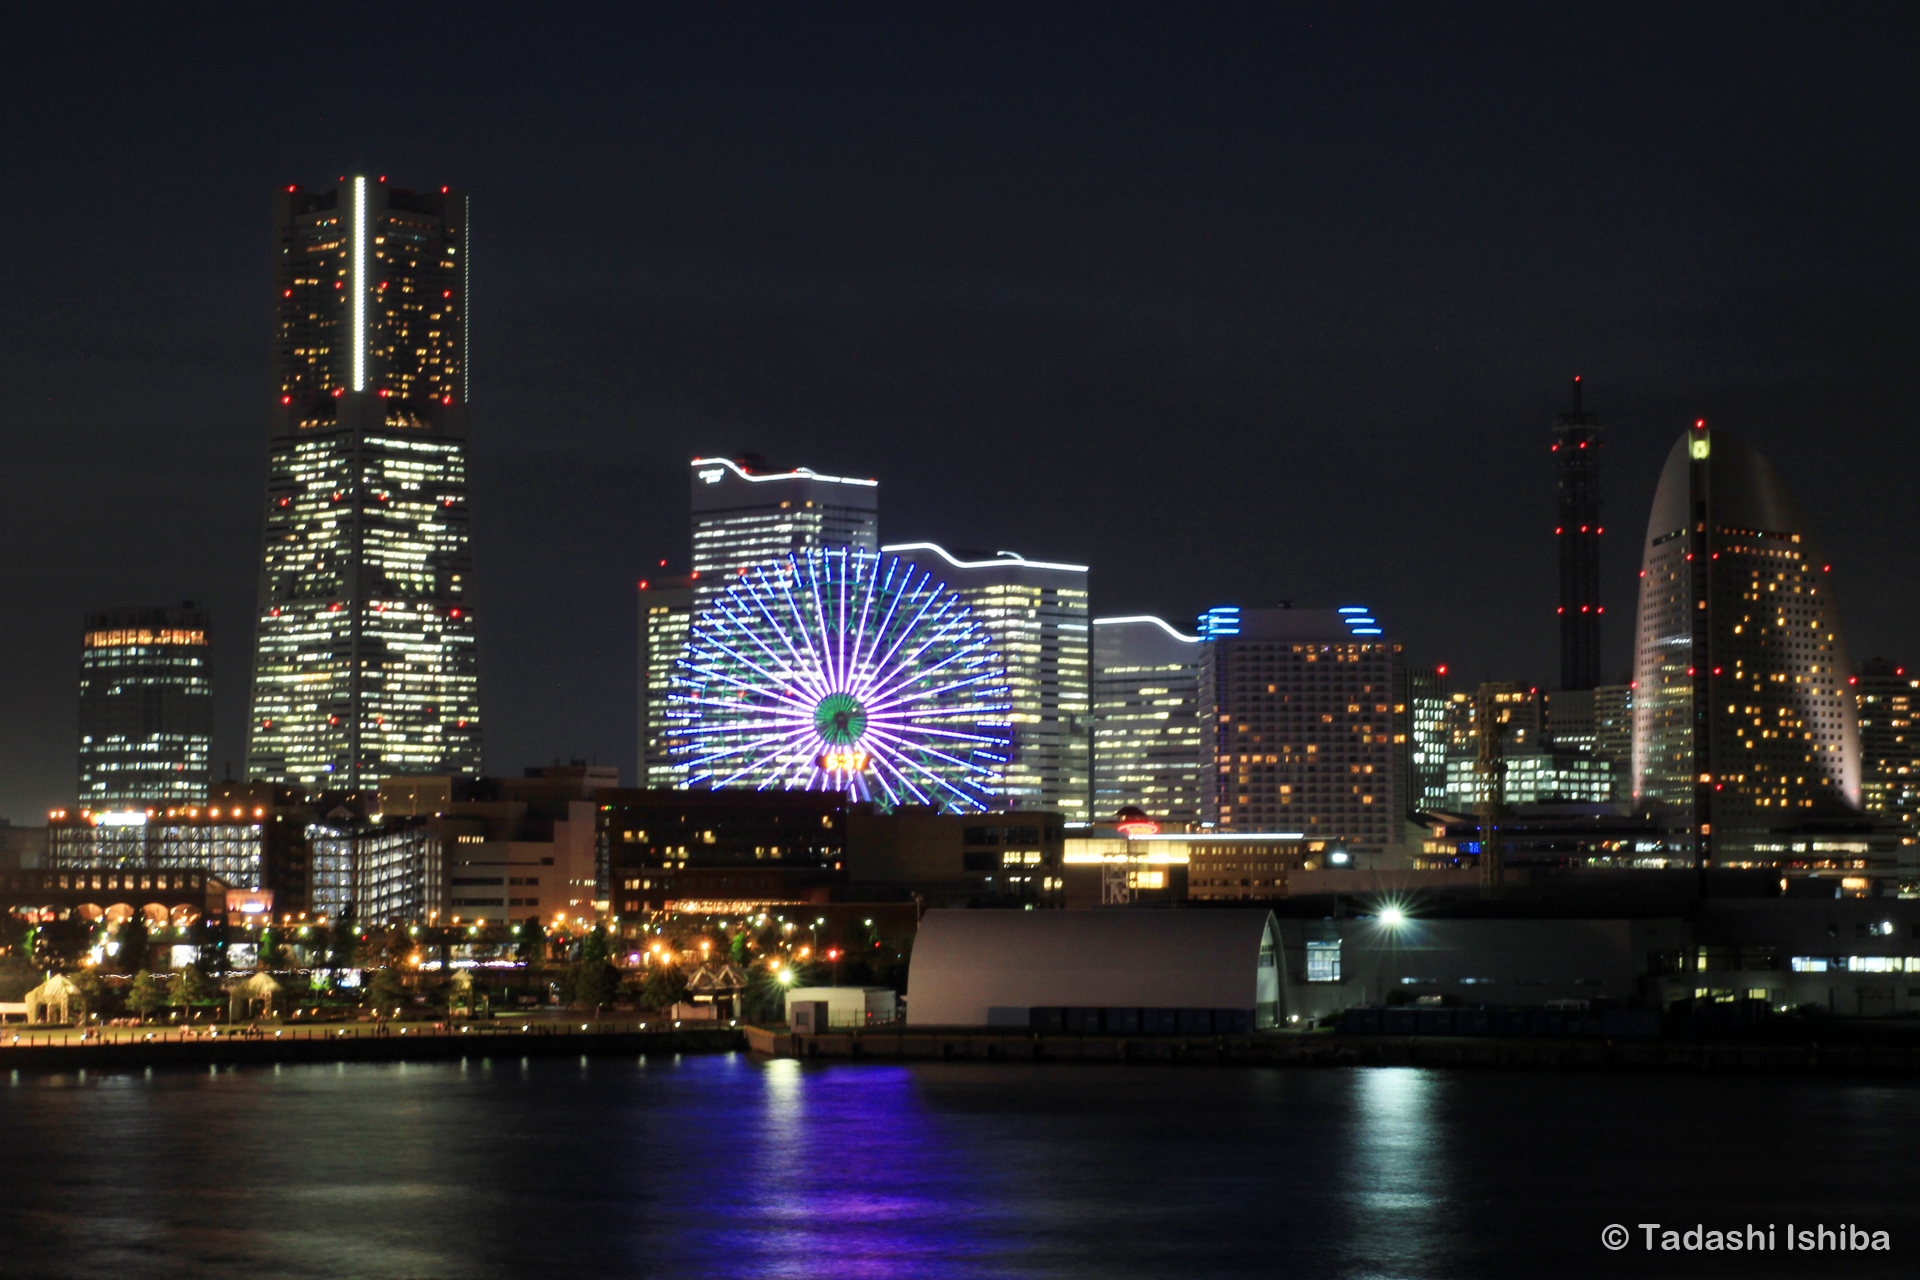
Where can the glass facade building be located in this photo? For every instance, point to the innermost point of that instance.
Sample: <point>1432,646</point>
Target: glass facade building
<point>1889,744</point>
<point>1036,613</point>
<point>1148,730</point>
<point>1745,726</point>
<point>365,662</point>
<point>1428,737</point>
<point>146,708</point>
<point>666,620</point>
<point>1532,777</point>
<point>745,515</point>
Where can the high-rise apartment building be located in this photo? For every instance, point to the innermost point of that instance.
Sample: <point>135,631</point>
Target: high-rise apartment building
<point>1744,723</point>
<point>745,515</point>
<point>1303,727</point>
<point>666,616</point>
<point>1036,614</point>
<point>365,662</point>
<point>1577,442</point>
<point>1889,699</point>
<point>146,709</point>
<point>1148,730</point>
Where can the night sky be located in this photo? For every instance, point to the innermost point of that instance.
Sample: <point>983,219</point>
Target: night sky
<point>1237,305</point>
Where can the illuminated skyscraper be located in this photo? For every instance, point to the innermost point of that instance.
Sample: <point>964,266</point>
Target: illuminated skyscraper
<point>1744,723</point>
<point>1303,722</point>
<point>146,708</point>
<point>1148,736</point>
<point>666,614</point>
<point>365,664</point>
<point>1888,699</point>
<point>1428,738</point>
<point>1577,441</point>
<point>1036,613</point>
<point>745,515</point>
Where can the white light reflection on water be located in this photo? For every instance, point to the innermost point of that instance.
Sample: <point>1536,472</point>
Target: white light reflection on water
<point>1397,1177</point>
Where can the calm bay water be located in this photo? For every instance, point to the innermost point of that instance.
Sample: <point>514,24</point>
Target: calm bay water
<point>729,1166</point>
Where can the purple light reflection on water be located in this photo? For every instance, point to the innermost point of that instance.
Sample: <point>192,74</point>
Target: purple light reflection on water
<point>725,1166</point>
<point>845,1164</point>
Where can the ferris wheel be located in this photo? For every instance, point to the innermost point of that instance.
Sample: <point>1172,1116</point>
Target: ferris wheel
<point>844,670</point>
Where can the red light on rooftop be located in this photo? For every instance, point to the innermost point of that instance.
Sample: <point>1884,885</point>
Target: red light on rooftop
<point>443,191</point>
<point>1442,670</point>
<point>293,187</point>
<point>1561,609</point>
<point>1853,679</point>
<point>1716,671</point>
<point>1583,444</point>
<point>643,584</point>
<point>286,399</point>
<point>1700,425</point>
<point>1826,568</point>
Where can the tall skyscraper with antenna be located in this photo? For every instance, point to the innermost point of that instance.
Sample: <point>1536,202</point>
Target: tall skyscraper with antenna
<point>364,662</point>
<point>1577,441</point>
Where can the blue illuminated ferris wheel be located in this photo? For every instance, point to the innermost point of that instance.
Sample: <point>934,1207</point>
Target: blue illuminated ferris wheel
<point>844,670</point>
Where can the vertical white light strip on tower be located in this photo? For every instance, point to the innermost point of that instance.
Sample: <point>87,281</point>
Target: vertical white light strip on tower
<point>466,306</point>
<point>360,283</point>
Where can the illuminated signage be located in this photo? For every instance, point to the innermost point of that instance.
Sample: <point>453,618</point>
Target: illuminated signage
<point>843,761</point>
<point>142,635</point>
<point>1140,827</point>
<point>713,476</point>
<point>129,818</point>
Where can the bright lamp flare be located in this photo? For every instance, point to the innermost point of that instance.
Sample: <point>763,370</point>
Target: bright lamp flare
<point>844,670</point>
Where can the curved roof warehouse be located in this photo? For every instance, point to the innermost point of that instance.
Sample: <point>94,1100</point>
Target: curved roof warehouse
<point>993,968</point>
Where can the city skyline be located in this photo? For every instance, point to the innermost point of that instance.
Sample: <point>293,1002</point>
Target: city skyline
<point>1213,380</point>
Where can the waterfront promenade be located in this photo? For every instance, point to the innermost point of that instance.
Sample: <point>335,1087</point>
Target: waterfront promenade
<point>60,1048</point>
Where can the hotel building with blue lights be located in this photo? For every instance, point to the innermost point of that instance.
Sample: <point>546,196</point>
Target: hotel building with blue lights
<point>1309,728</point>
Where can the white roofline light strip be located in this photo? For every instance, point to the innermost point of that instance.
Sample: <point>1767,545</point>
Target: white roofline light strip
<point>1002,558</point>
<point>1147,617</point>
<point>798,473</point>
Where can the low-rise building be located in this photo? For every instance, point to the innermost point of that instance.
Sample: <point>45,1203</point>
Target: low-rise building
<point>1135,969</point>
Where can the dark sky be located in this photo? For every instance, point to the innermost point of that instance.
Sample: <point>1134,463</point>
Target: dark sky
<point>1236,304</point>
